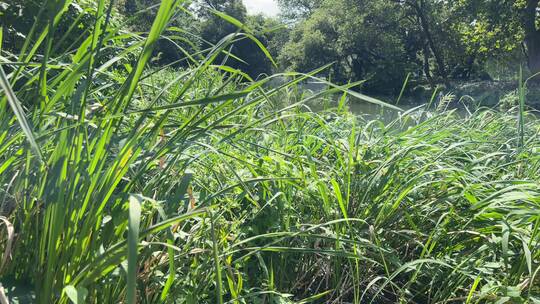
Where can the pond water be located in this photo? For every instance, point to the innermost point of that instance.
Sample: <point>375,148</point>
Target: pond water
<point>361,107</point>
<point>374,111</point>
<point>370,110</point>
<point>358,106</point>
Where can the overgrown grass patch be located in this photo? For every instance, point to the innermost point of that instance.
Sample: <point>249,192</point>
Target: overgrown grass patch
<point>126,183</point>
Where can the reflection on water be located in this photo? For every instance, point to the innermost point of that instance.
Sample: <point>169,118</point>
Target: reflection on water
<point>462,107</point>
<point>360,107</point>
<point>369,110</point>
<point>373,111</point>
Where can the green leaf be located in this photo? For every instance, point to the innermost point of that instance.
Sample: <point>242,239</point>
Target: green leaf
<point>248,33</point>
<point>19,112</point>
<point>473,289</point>
<point>134,221</point>
<point>76,295</point>
<point>339,197</point>
<point>528,258</point>
<point>503,300</point>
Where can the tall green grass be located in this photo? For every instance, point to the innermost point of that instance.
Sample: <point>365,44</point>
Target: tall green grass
<point>126,183</point>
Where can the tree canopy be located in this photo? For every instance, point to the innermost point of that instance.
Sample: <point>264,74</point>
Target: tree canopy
<point>436,41</point>
<point>380,41</point>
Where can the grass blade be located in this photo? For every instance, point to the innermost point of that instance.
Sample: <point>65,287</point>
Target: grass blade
<point>133,241</point>
<point>19,113</point>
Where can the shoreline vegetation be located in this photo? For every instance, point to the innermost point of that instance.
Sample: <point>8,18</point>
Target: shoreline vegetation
<point>126,181</point>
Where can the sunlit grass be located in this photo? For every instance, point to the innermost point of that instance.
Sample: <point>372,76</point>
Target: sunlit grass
<point>128,183</point>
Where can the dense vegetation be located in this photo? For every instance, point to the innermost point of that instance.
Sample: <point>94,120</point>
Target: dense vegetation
<point>435,41</point>
<point>131,173</point>
<point>431,42</point>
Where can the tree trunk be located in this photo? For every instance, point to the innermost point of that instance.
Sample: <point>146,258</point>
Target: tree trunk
<point>439,58</point>
<point>532,43</point>
<point>532,37</point>
<point>427,71</point>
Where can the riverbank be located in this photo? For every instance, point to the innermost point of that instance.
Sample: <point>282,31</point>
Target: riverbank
<point>478,93</point>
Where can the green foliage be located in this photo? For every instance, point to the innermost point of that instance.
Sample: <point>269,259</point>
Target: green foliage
<point>192,32</point>
<point>295,9</point>
<point>436,41</point>
<point>246,55</point>
<point>488,30</point>
<point>510,100</point>
<point>365,41</point>
<point>17,21</point>
<point>200,185</point>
